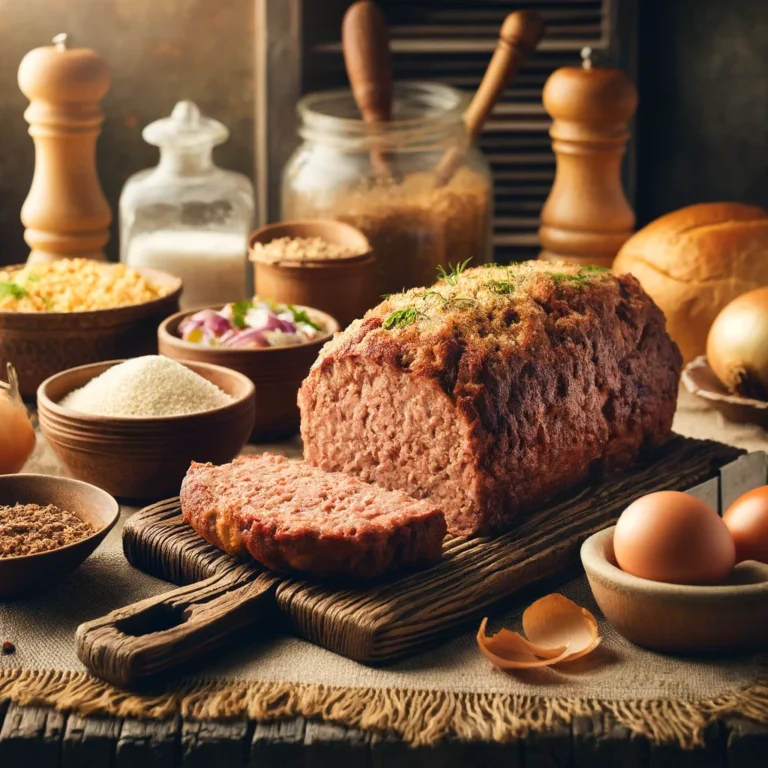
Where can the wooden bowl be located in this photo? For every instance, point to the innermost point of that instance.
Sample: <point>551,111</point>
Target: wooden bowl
<point>700,380</point>
<point>674,618</point>
<point>344,288</point>
<point>31,573</point>
<point>143,458</point>
<point>276,372</point>
<point>41,344</point>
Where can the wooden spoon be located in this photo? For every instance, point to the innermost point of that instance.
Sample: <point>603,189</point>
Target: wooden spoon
<point>519,36</point>
<point>365,42</point>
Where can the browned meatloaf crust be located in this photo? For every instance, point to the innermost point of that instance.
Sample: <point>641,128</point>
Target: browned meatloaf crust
<point>292,517</point>
<point>496,390</point>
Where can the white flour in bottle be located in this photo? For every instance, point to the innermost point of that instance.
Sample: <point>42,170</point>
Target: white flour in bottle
<point>211,264</point>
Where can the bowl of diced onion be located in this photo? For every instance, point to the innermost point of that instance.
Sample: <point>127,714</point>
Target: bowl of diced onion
<point>273,344</point>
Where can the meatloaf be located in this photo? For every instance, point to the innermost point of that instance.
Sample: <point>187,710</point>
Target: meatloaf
<point>292,517</point>
<point>495,390</point>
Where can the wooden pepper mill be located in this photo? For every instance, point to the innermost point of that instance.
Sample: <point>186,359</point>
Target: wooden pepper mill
<point>587,217</point>
<point>65,214</point>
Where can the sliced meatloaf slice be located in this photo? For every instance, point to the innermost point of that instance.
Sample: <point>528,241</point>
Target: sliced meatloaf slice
<point>293,517</point>
<point>494,391</point>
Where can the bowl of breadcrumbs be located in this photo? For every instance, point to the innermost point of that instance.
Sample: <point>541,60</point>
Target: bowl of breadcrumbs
<point>48,527</point>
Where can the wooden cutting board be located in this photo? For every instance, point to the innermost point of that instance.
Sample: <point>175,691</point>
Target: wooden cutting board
<point>374,624</point>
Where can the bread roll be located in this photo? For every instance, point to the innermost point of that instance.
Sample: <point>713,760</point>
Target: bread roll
<point>694,261</point>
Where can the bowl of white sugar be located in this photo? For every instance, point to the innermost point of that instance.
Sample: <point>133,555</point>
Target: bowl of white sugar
<point>133,427</point>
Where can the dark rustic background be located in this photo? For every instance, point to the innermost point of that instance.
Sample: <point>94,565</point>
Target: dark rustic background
<point>702,125</point>
<point>700,134</point>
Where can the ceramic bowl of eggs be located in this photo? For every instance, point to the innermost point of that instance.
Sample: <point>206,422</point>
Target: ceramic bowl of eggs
<point>674,576</point>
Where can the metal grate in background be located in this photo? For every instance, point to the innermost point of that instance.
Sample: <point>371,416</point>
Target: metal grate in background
<point>451,41</point>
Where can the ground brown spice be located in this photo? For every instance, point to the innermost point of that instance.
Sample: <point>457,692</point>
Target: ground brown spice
<point>27,529</point>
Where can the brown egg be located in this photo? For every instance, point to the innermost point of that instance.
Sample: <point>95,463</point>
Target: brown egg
<point>747,520</point>
<point>675,538</point>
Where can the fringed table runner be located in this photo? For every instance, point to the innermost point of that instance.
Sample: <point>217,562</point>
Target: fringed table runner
<point>451,691</point>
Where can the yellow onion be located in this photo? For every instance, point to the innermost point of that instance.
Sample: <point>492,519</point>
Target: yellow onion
<point>17,436</point>
<point>737,345</point>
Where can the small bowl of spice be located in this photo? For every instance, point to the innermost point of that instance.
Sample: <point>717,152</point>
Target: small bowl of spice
<point>48,527</point>
<point>273,344</point>
<point>322,264</point>
<point>133,427</point>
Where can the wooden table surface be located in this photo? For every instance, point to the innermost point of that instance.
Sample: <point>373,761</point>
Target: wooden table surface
<point>40,737</point>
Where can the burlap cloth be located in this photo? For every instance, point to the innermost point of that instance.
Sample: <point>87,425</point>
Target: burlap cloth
<point>449,691</point>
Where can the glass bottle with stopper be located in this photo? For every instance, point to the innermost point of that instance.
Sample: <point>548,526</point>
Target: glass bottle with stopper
<point>587,217</point>
<point>186,216</point>
<point>65,213</point>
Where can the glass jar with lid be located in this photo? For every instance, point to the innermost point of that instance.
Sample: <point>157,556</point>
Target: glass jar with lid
<point>187,216</point>
<point>381,179</point>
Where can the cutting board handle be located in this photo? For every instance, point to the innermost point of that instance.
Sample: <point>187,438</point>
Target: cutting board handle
<point>149,640</point>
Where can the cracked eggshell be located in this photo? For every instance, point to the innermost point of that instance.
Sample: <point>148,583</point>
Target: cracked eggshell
<point>557,630</point>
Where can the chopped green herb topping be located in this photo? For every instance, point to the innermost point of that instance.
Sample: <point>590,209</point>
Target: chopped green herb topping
<point>448,301</point>
<point>241,308</point>
<point>239,311</point>
<point>402,318</point>
<point>582,276</point>
<point>501,287</point>
<point>14,290</point>
<point>301,316</point>
<point>505,286</point>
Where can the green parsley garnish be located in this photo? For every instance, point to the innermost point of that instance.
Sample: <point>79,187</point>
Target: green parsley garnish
<point>581,277</point>
<point>505,286</point>
<point>402,318</point>
<point>239,310</point>
<point>501,287</point>
<point>452,275</point>
<point>14,290</point>
<point>448,301</point>
<point>300,316</point>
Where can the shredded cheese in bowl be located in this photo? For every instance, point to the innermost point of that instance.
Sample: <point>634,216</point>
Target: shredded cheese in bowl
<point>75,285</point>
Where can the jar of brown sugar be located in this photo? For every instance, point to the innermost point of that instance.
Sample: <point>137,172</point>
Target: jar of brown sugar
<point>381,179</point>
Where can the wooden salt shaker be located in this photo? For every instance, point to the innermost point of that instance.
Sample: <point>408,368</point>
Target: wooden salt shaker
<point>587,217</point>
<point>65,214</point>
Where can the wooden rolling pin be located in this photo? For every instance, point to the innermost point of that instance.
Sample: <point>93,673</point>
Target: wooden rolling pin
<point>519,36</point>
<point>365,42</point>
